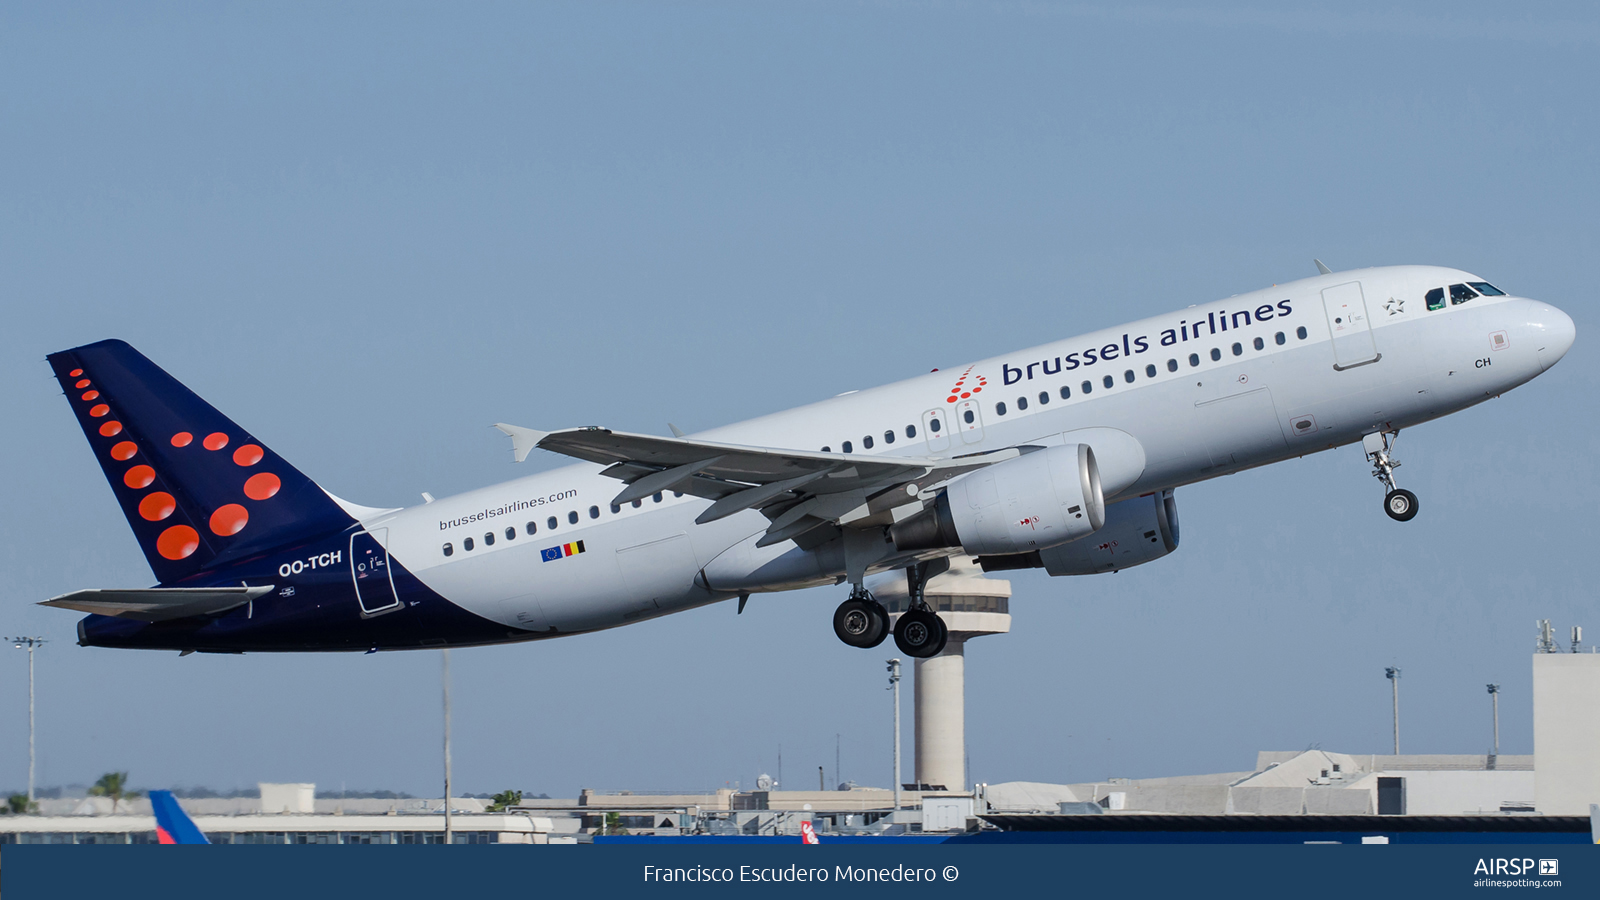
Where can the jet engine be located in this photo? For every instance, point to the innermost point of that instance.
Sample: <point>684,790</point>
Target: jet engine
<point>1040,499</point>
<point>1136,532</point>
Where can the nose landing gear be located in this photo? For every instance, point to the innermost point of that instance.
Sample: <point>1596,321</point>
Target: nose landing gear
<point>1398,503</point>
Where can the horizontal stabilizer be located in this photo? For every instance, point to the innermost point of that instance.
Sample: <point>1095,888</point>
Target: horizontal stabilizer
<point>158,604</point>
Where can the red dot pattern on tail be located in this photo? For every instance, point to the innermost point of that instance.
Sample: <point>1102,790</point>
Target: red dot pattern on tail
<point>178,542</point>
<point>157,506</point>
<point>229,519</point>
<point>262,485</point>
<point>139,477</point>
<point>111,429</point>
<point>248,455</point>
<point>182,439</point>
<point>124,450</point>
<point>216,441</point>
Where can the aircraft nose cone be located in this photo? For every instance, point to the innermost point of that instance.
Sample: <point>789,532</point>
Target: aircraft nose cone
<point>1557,332</point>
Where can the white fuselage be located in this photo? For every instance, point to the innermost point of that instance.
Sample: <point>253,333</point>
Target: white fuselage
<point>1191,397</point>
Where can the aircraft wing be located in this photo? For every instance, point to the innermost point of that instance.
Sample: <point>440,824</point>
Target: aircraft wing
<point>158,604</point>
<point>797,489</point>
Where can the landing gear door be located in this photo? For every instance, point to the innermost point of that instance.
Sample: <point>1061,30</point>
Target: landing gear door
<point>1346,309</point>
<point>369,568</point>
<point>936,428</point>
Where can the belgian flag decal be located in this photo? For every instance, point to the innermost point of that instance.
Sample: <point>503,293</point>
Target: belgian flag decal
<point>561,551</point>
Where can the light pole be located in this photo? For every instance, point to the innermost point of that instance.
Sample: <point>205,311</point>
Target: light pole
<point>449,831</point>
<point>894,685</point>
<point>30,643</point>
<point>1494,699</point>
<point>1393,674</point>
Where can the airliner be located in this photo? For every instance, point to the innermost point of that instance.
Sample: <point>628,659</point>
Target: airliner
<point>1064,457</point>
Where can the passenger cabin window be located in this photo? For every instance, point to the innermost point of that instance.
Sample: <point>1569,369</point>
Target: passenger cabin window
<point>1128,376</point>
<point>1300,332</point>
<point>531,527</point>
<point>656,497</point>
<point>866,442</point>
<point>615,509</point>
<point>1087,387</point>
<point>969,416</point>
<point>1150,371</point>
<point>1460,293</point>
<point>1065,392</point>
<point>1194,359</point>
<point>449,550</point>
<point>1108,381</point>
<point>466,544</point>
<point>1022,403</point>
<point>638,503</point>
<point>1172,365</point>
<point>572,517</point>
<point>1000,408</point>
<point>911,430</point>
<point>888,436</point>
<point>1435,299</point>
<point>488,539</point>
<point>847,447</point>
<point>1238,349</point>
<point>1486,289</point>
<point>552,523</point>
<point>827,449</point>
<point>1044,397</point>
<point>1215,354</point>
<point>934,424</point>
<point>511,532</point>
<point>1280,338</point>
<point>1260,344</point>
<point>594,512</point>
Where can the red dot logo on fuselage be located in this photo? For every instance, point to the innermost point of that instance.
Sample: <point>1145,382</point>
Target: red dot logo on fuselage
<point>967,385</point>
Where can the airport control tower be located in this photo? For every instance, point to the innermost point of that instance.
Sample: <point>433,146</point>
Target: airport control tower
<point>971,605</point>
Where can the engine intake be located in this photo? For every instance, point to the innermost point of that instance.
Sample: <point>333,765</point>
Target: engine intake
<point>1041,499</point>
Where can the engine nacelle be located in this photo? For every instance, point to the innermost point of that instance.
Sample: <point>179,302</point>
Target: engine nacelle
<point>1040,499</point>
<point>1136,532</point>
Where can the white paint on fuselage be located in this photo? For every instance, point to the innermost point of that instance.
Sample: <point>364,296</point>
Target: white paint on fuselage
<point>1195,423</point>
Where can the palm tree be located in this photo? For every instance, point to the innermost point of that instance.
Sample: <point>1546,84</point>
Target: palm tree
<point>115,786</point>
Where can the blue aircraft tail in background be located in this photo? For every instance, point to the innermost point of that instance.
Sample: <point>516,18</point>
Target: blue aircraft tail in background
<point>173,825</point>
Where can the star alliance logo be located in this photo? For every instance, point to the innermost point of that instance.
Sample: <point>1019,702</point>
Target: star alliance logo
<point>1395,307</point>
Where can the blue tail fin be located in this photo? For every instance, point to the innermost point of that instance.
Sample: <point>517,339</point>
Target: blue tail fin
<point>198,490</point>
<point>173,825</point>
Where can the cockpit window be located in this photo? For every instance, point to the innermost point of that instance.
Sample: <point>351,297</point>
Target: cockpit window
<point>1436,298</point>
<point>1460,293</point>
<point>1486,289</point>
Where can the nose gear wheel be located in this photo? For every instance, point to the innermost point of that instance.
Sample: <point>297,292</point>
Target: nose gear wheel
<point>1399,504</point>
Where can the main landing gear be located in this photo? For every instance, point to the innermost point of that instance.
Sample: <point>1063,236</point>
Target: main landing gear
<point>862,621</point>
<point>1400,504</point>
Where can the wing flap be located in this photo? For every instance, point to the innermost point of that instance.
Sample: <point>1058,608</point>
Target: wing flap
<point>157,604</point>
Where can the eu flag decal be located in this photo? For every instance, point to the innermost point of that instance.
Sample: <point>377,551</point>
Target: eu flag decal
<point>562,551</point>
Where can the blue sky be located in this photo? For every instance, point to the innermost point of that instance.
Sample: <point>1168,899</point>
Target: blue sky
<point>366,231</point>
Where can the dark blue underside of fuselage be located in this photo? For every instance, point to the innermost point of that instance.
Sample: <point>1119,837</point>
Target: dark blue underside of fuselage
<point>313,610</point>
